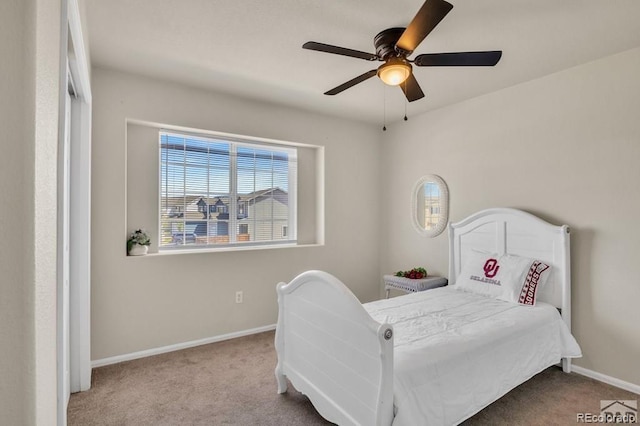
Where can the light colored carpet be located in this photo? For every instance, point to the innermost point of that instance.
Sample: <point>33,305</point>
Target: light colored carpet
<point>232,383</point>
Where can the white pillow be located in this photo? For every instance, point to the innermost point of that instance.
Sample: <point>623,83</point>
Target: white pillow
<point>481,274</point>
<point>526,278</point>
<point>507,277</point>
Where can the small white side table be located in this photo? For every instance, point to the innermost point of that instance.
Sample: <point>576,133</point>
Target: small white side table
<point>411,286</point>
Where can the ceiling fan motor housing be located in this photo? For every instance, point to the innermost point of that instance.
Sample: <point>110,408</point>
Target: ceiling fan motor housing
<point>385,43</point>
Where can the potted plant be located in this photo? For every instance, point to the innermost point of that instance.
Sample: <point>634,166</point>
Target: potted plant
<point>138,243</point>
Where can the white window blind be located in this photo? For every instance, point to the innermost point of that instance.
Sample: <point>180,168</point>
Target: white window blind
<point>225,192</point>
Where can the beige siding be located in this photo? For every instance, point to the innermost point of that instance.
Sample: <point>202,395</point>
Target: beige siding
<point>260,224</point>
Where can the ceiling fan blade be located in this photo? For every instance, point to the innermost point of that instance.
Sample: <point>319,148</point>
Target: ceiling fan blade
<point>412,89</point>
<point>459,59</point>
<point>429,15</point>
<point>344,86</point>
<point>321,47</point>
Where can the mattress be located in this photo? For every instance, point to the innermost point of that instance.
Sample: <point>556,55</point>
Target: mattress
<point>456,352</point>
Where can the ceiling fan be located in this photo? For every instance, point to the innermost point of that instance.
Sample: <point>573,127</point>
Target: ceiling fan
<point>394,45</point>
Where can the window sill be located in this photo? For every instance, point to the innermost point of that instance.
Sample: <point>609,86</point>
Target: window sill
<point>227,249</point>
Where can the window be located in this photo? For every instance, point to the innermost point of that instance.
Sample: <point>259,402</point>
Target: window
<point>225,192</point>
<point>430,205</point>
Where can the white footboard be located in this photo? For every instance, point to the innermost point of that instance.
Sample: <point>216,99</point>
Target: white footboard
<point>333,351</point>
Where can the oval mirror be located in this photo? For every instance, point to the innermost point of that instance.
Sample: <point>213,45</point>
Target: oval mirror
<point>430,205</point>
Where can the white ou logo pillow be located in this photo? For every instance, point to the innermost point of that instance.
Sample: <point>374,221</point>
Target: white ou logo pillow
<point>507,277</point>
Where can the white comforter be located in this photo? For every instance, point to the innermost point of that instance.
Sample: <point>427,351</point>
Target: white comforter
<point>456,352</point>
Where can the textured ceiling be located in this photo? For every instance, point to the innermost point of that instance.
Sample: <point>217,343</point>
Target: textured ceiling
<point>253,48</point>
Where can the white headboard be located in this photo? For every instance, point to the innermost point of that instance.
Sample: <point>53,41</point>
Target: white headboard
<point>504,230</point>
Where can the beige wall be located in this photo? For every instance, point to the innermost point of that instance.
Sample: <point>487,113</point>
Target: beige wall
<point>40,232</point>
<point>13,343</point>
<point>29,47</point>
<point>147,302</point>
<point>565,147</point>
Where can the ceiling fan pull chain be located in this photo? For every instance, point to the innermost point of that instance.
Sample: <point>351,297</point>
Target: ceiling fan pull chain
<point>384,108</point>
<point>406,101</point>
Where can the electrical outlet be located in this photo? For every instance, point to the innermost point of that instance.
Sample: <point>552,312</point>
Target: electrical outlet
<point>238,297</point>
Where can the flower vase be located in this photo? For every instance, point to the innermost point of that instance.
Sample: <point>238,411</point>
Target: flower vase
<point>138,250</point>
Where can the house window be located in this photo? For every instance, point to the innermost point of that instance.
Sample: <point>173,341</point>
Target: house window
<point>432,205</point>
<point>229,191</point>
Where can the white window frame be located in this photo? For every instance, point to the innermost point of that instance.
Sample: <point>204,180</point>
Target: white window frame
<point>235,141</point>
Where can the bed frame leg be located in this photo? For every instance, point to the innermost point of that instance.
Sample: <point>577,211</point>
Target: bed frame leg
<point>387,294</point>
<point>282,381</point>
<point>566,365</point>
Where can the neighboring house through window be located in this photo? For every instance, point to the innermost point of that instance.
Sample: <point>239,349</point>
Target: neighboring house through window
<point>225,191</point>
<point>432,205</point>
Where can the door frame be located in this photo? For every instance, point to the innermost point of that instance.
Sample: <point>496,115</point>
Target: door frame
<point>63,263</point>
<point>80,207</point>
<point>74,63</point>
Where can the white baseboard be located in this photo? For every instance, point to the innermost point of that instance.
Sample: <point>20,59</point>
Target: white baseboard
<point>178,346</point>
<point>631,387</point>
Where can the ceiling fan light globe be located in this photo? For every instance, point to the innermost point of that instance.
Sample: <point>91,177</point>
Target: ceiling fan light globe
<point>394,73</point>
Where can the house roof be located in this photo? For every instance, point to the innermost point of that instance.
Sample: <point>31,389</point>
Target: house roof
<point>187,206</point>
<point>262,193</point>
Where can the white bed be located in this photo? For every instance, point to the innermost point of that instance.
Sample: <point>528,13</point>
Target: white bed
<point>434,357</point>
